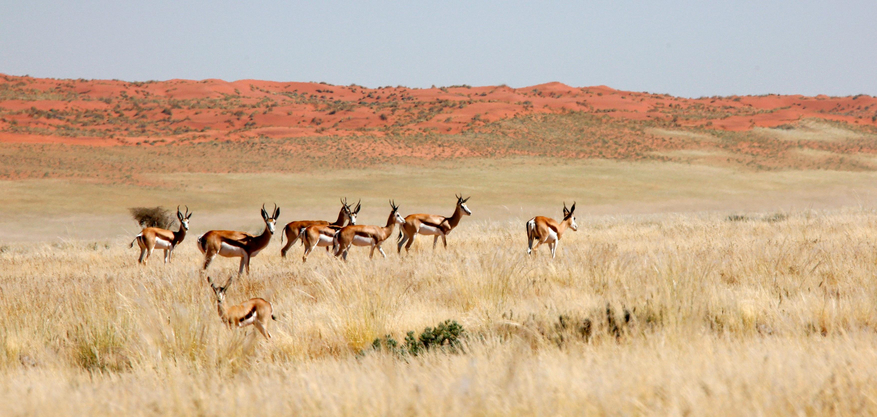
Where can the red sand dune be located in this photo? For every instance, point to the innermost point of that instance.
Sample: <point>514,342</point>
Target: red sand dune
<point>110,112</point>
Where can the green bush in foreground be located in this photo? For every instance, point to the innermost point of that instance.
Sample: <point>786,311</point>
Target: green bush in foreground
<point>445,336</point>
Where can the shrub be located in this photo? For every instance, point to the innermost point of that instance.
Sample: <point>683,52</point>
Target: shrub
<point>444,337</point>
<point>152,217</point>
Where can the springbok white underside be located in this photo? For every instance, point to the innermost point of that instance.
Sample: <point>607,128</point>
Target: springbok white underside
<point>324,240</point>
<point>428,230</point>
<point>248,321</point>
<point>231,251</point>
<point>362,241</point>
<point>552,236</point>
<point>162,244</point>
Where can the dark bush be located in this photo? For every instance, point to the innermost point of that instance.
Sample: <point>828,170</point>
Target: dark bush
<point>444,337</point>
<point>152,217</point>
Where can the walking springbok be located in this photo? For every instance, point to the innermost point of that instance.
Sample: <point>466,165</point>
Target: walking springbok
<point>431,224</point>
<point>372,236</point>
<point>545,230</point>
<point>151,238</point>
<point>231,244</point>
<point>322,235</point>
<point>255,311</point>
<point>293,230</point>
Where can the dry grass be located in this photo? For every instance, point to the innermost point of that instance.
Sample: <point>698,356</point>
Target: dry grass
<point>770,315</point>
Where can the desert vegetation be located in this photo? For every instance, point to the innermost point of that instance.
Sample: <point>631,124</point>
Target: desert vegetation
<point>751,313</point>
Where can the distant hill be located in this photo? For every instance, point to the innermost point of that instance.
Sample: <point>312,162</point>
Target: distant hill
<point>320,125</point>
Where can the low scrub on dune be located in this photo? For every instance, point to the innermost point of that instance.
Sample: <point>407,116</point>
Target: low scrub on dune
<point>726,313</point>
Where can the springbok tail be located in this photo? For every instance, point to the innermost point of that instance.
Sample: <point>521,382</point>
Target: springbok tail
<point>139,240</point>
<point>531,229</point>
<point>283,234</point>
<point>335,246</point>
<point>401,235</point>
<point>301,236</point>
<point>201,243</point>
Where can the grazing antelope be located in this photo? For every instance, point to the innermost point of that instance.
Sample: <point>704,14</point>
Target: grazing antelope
<point>431,224</point>
<point>372,236</point>
<point>152,238</point>
<point>545,230</point>
<point>255,311</point>
<point>293,230</point>
<point>231,244</point>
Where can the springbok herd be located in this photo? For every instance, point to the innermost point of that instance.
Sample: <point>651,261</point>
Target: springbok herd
<point>340,235</point>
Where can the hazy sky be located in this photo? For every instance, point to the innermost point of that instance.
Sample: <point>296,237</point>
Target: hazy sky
<point>686,48</point>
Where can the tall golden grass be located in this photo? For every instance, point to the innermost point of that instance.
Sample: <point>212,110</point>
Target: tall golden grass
<point>763,314</point>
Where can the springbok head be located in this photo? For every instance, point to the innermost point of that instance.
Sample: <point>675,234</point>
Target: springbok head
<point>396,216</point>
<point>184,218</point>
<point>461,202</point>
<point>270,221</point>
<point>351,212</point>
<point>569,213</point>
<point>219,292</point>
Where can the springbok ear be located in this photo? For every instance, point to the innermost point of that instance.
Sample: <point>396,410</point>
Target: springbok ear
<point>573,208</point>
<point>466,199</point>
<point>179,215</point>
<point>276,213</point>
<point>189,216</point>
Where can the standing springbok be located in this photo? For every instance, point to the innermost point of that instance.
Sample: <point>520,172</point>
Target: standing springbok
<point>255,311</point>
<point>151,238</point>
<point>292,230</point>
<point>322,234</point>
<point>431,224</point>
<point>546,230</point>
<point>372,236</point>
<point>231,244</point>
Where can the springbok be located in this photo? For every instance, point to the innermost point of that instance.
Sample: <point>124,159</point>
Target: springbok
<point>231,244</point>
<point>546,230</point>
<point>292,230</point>
<point>255,311</point>
<point>322,234</point>
<point>372,236</point>
<point>151,238</point>
<point>431,224</point>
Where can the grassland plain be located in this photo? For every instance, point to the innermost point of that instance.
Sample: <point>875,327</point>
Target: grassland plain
<point>45,210</point>
<point>671,314</point>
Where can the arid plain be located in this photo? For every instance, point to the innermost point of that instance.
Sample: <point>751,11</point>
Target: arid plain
<point>724,262</point>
